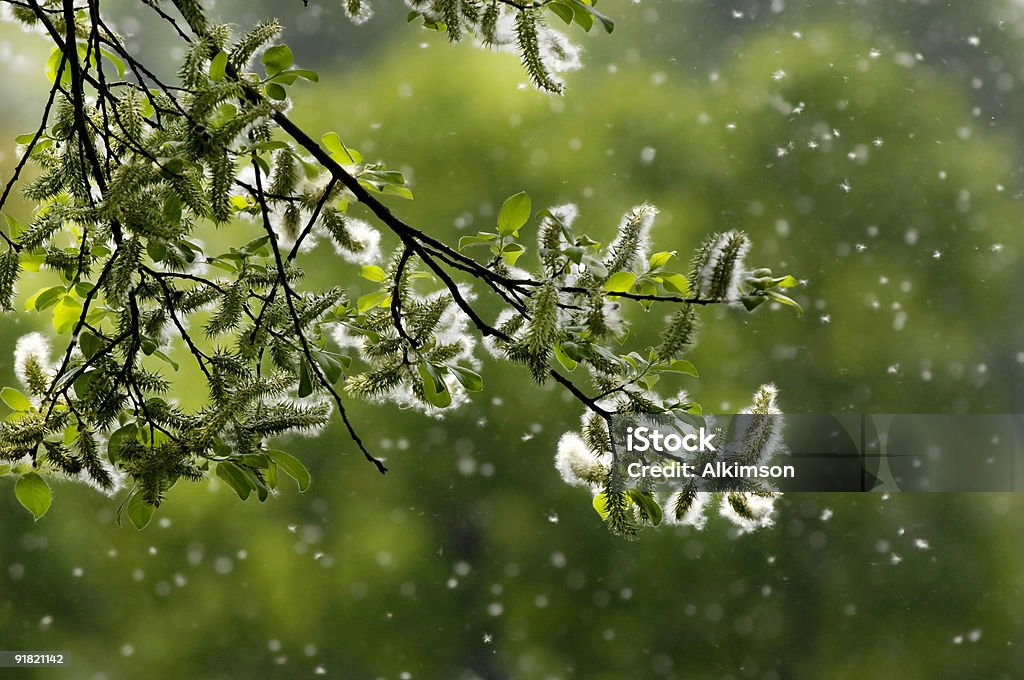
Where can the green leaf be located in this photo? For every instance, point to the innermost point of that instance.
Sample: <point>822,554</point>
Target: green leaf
<point>139,511</point>
<point>660,259</point>
<point>511,253</point>
<point>620,282</point>
<point>66,314</point>
<point>434,388</point>
<point>600,504</point>
<point>786,282</point>
<point>564,359</point>
<point>372,272</point>
<point>786,300</point>
<point>561,11</point>
<point>752,302</point>
<point>116,61</point>
<point>514,212</point>
<point>277,59</point>
<point>330,365</point>
<point>292,467</point>
<point>682,366</point>
<point>648,505</point>
<point>236,478</point>
<point>606,22</point>
<point>15,227</point>
<point>34,494</point>
<point>15,399</point>
<point>339,150</point>
<point>676,283</point>
<point>218,66</point>
<point>276,92</point>
<point>381,298</point>
<point>471,380</point>
<point>45,298</point>
<point>305,381</point>
<point>306,73</point>
<point>117,440</point>
<point>483,238</point>
<point>166,359</point>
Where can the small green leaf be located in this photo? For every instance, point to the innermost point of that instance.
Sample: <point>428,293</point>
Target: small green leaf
<point>372,272</point>
<point>600,504</point>
<point>339,150</point>
<point>34,494</point>
<point>660,259</point>
<point>471,380</point>
<point>331,366</point>
<point>676,283</point>
<point>305,380</point>
<point>511,253</point>
<point>483,238</point>
<point>564,359</point>
<point>752,302</point>
<point>292,467</point>
<point>434,388</point>
<point>561,11</point>
<point>166,359</point>
<point>66,314</point>
<point>606,22</point>
<point>306,73</point>
<point>139,511</point>
<point>620,282</point>
<point>236,478</point>
<point>381,298</point>
<point>786,300</point>
<point>218,66</point>
<point>116,61</point>
<point>45,298</point>
<point>276,92</point>
<point>682,366</point>
<point>515,211</point>
<point>117,440</point>
<point>786,282</point>
<point>15,399</point>
<point>277,59</point>
<point>648,506</point>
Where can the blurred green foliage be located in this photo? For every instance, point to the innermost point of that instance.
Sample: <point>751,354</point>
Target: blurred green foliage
<point>471,558</point>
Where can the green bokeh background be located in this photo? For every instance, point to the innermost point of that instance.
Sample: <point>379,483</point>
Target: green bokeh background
<point>472,558</point>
